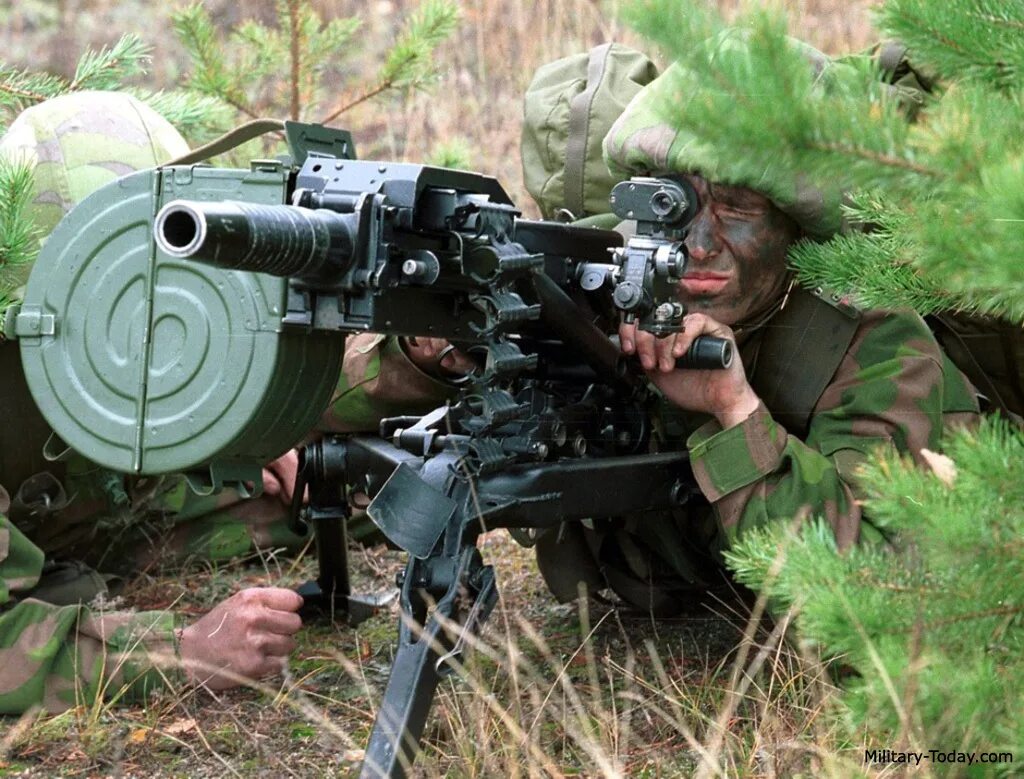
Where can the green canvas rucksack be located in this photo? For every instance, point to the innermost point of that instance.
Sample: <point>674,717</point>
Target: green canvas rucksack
<point>569,107</point>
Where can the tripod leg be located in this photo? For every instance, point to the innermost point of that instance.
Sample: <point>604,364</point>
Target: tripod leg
<point>328,512</point>
<point>423,654</point>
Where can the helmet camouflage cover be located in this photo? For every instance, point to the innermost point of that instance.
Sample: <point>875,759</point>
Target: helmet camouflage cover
<point>644,142</point>
<point>75,144</point>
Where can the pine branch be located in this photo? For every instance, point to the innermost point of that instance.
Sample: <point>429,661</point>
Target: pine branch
<point>325,46</point>
<point>408,63</point>
<point>20,88</point>
<point>875,261</point>
<point>751,97</point>
<point>968,40</point>
<point>379,88</point>
<point>105,69</point>
<point>945,234</point>
<point>194,28</point>
<point>19,240</point>
<point>195,116</point>
<point>835,125</point>
<point>260,49</point>
<point>1013,24</point>
<point>970,616</point>
<point>868,155</point>
<point>110,67</point>
<point>334,37</point>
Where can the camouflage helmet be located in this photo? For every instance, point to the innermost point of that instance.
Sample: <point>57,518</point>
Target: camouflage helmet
<point>643,142</point>
<point>78,142</point>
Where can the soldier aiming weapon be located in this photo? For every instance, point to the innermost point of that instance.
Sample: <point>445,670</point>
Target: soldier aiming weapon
<point>550,428</point>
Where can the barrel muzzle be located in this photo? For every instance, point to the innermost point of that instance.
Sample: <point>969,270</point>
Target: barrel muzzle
<point>315,245</point>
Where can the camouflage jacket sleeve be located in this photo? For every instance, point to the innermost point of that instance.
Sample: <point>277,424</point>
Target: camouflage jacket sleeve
<point>893,388</point>
<point>59,656</point>
<point>377,381</point>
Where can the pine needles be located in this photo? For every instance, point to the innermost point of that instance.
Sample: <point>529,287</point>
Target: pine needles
<point>932,628</point>
<point>18,239</point>
<point>953,177</point>
<point>245,70</point>
<point>941,615</point>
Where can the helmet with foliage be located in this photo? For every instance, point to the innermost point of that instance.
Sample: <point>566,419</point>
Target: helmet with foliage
<point>75,144</point>
<point>646,140</point>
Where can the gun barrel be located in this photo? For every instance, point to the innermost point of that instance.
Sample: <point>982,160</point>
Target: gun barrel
<point>282,240</point>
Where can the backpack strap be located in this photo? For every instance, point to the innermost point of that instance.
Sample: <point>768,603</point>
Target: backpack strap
<point>990,352</point>
<point>800,351</point>
<point>579,121</point>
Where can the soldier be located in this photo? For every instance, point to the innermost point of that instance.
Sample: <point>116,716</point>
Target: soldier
<point>56,651</point>
<point>819,385</point>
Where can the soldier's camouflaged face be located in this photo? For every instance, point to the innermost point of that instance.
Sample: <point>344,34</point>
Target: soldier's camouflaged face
<point>740,237</point>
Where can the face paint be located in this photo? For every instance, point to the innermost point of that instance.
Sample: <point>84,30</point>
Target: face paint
<point>737,246</point>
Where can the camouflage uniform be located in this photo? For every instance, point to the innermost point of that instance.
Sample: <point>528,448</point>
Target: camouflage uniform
<point>54,650</point>
<point>893,387</point>
<point>378,380</point>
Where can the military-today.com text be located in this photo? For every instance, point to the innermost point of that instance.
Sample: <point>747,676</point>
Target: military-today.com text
<point>887,756</point>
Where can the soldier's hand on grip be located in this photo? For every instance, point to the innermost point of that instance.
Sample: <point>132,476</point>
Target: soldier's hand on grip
<point>724,393</point>
<point>437,357</point>
<point>279,477</point>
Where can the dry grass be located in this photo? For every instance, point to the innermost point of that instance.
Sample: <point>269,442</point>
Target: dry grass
<point>547,691</point>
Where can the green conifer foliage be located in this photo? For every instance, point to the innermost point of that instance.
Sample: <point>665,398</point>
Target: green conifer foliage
<point>111,68</point>
<point>953,178</point>
<point>935,629</point>
<point>932,626</point>
<point>964,40</point>
<point>294,68</point>
<point>18,240</point>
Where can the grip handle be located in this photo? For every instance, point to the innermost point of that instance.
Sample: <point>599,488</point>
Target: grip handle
<point>708,352</point>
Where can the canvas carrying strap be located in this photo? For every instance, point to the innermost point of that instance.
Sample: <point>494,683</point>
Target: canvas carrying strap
<point>579,121</point>
<point>229,140</point>
<point>799,354</point>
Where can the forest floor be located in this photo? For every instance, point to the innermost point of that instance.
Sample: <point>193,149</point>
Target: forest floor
<point>550,690</point>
